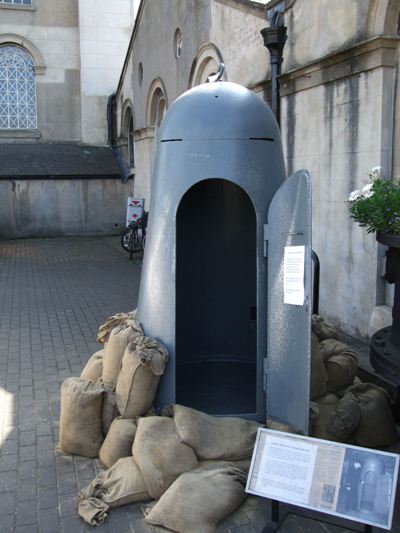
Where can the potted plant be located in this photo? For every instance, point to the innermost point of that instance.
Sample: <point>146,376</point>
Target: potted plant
<point>376,207</point>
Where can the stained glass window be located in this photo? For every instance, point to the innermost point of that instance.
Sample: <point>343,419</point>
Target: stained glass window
<point>23,2</point>
<point>17,88</point>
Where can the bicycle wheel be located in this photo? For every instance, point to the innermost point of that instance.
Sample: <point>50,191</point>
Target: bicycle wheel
<point>125,238</point>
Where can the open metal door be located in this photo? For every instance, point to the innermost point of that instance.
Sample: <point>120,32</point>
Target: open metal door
<point>288,246</point>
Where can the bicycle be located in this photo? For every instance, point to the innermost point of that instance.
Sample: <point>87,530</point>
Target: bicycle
<point>133,239</point>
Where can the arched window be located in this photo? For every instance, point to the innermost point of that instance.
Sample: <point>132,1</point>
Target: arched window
<point>17,89</point>
<point>205,64</point>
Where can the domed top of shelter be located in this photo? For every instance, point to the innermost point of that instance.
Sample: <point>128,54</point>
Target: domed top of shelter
<point>219,110</point>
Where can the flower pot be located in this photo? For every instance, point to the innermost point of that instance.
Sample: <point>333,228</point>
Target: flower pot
<point>385,344</point>
<point>388,239</point>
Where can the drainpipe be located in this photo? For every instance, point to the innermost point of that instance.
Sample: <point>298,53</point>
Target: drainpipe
<point>119,156</point>
<point>274,39</point>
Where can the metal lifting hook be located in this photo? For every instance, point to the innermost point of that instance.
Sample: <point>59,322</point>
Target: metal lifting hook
<point>218,75</point>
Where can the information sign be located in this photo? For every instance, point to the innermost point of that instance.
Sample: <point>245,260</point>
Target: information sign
<point>342,480</point>
<point>134,209</point>
<point>293,275</point>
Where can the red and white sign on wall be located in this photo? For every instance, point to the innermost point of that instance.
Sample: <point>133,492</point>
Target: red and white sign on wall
<point>135,209</point>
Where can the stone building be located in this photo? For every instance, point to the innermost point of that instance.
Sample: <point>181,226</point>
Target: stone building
<point>59,62</point>
<point>339,112</point>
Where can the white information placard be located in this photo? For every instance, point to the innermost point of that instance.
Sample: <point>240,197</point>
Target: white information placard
<point>342,480</point>
<point>293,275</point>
<point>134,209</point>
<point>287,469</point>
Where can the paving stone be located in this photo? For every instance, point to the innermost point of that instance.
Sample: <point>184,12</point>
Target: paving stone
<point>8,480</point>
<point>7,503</point>
<point>48,498</point>
<point>27,469</point>
<point>68,505</point>
<point>67,484</point>
<point>27,529</point>
<point>26,513</point>
<point>7,523</point>
<point>27,489</point>
<point>8,462</point>
<point>47,476</point>
<point>48,520</point>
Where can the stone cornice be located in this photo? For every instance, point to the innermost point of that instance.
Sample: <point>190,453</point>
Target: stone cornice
<point>374,53</point>
<point>144,133</point>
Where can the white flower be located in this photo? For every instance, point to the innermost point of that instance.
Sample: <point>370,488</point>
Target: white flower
<point>376,172</point>
<point>354,195</point>
<point>367,189</point>
<point>368,194</point>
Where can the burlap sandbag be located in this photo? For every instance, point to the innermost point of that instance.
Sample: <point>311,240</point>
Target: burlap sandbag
<point>80,419</point>
<point>319,377</point>
<point>323,329</point>
<point>121,484</point>
<point>213,437</point>
<point>340,362</point>
<point>114,350</point>
<point>242,464</point>
<point>143,364</point>
<point>376,426</point>
<point>94,367</point>
<point>118,442</point>
<point>199,500</point>
<point>320,418</point>
<point>109,411</point>
<point>159,453</point>
<point>112,322</point>
<point>345,417</point>
<point>280,426</point>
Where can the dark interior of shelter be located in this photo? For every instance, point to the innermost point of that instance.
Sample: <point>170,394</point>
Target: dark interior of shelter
<point>216,290</point>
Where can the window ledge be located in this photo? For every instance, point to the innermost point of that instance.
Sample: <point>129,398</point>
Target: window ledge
<point>18,7</point>
<point>19,134</point>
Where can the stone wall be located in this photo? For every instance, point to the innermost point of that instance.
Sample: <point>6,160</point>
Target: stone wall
<point>48,208</point>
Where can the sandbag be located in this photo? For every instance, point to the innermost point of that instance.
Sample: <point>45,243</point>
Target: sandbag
<point>94,367</point>
<point>159,453</point>
<point>376,426</point>
<point>121,484</point>
<point>319,377</point>
<point>109,411</point>
<point>198,500</point>
<point>143,364</point>
<point>118,442</point>
<point>242,464</point>
<point>112,322</point>
<point>280,426</point>
<point>340,362</point>
<point>322,329</point>
<point>345,418</point>
<point>118,340</point>
<point>213,437</point>
<point>320,419</point>
<point>80,419</point>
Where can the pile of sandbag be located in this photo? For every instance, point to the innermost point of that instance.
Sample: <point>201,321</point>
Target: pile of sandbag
<point>118,384</point>
<point>195,465</point>
<point>342,408</point>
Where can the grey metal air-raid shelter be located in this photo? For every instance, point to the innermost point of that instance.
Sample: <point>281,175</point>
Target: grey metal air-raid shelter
<point>213,271</point>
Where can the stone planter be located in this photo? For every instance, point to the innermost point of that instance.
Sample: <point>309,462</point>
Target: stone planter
<point>385,343</point>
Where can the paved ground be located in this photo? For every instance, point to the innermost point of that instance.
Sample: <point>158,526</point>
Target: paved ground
<point>54,293</point>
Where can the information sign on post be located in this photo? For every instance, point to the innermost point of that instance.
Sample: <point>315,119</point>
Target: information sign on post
<point>348,481</point>
<point>134,209</point>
